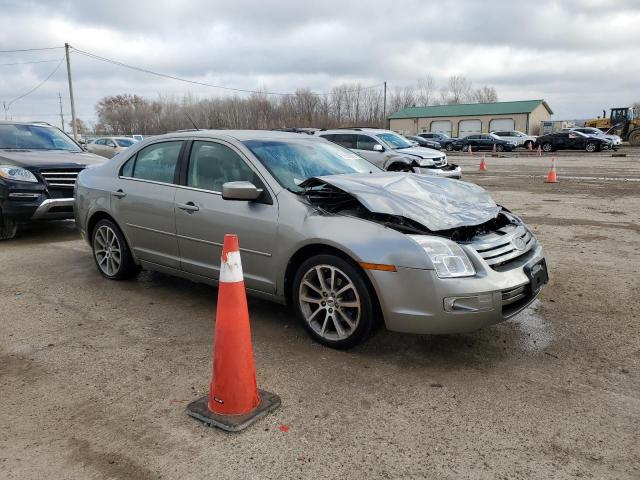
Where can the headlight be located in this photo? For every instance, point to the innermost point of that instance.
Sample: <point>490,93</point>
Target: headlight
<point>425,162</point>
<point>447,257</point>
<point>16,173</point>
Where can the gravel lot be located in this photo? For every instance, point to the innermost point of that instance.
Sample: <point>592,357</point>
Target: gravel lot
<point>95,375</point>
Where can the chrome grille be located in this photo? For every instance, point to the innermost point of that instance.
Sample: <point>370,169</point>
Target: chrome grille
<point>440,162</point>
<point>61,177</point>
<point>502,246</point>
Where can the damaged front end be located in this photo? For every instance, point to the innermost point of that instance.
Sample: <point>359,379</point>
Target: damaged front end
<point>460,212</point>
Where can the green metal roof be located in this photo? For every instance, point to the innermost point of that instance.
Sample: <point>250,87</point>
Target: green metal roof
<point>469,109</point>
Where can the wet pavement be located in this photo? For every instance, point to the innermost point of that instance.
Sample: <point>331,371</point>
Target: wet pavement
<point>95,375</point>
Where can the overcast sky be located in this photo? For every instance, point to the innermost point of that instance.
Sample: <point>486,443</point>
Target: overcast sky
<point>581,56</point>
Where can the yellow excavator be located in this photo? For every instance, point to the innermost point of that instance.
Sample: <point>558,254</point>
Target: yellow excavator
<point>621,122</point>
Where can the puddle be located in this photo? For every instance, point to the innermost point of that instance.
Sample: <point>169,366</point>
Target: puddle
<point>535,329</point>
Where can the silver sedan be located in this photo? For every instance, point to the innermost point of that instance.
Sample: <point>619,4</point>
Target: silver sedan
<point>319,227</point>
<point>109,147</point>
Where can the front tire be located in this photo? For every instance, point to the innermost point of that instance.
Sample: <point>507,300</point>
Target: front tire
<point>8,228</point>
<point>449,147</point>
<point>111,252</point>
<point>400,167</point>
<point>333,301</point>
<point>591,147</point>
<point>547,147</point>
<point>499,148</point>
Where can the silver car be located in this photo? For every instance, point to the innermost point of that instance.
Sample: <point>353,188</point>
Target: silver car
<point>109,147</point>
<point>389,151</point>
<point>319,227</point>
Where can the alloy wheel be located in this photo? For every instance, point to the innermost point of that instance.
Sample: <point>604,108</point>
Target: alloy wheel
<point>329,302</point>
<point>547,147</point>
<point>107,250</point>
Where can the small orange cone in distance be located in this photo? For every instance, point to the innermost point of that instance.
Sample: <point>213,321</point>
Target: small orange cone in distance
<point>483,165</point>
<point>529,146</point>
<point>234,401</point>
<point>552,176</point>
<point>493,150</point>
<point>539,151</point>
<point>470,150</point>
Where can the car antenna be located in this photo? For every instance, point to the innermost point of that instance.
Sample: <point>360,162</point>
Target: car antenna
<point>192,122</point>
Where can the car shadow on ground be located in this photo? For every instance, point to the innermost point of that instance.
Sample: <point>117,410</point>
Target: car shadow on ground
<point>528,334</point>
<point>45,232</point>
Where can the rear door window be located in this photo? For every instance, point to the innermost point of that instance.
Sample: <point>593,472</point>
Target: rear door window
<point>157,162</point>
<point>345,140</point>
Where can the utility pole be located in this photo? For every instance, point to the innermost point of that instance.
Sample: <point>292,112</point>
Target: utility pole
<point>61,114</point>
<point>4,105</point>
<point>73,106</point>
<point>384,105</point>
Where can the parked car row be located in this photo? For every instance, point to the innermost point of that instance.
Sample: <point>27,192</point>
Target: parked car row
<point>320,227</point>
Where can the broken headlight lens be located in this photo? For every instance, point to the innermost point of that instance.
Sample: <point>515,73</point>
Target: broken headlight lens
<point>448,258</point>
<point>10,172</point>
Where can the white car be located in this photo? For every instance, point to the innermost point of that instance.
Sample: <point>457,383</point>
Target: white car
<point>389,151</point>
<point>110,146</point>
<point>514,136</point>
<point>596,132</point>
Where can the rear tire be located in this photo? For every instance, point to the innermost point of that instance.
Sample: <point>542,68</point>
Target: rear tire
<point>591,147</point>
<point>499,148</point>
<point>111,252</point>
<point>634,138</point>
<point>333,301</point>
<point>449,147</point>
<point>8,228</point>
<point>547,147</point>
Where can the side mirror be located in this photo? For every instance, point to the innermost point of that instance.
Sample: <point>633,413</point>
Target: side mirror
<point>240,191</point>
<point>378,148</point>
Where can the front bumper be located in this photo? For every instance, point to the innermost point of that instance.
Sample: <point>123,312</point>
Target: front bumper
<point>26,207</point>
<point>448,171</point>
<point>416,301</point>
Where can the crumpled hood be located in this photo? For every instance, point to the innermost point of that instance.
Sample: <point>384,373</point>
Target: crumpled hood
<point>48,158</point>
<point>436,203</point>
<point>422,152</point>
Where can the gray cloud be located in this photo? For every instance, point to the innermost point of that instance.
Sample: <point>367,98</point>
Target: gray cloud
<point>581,55</point>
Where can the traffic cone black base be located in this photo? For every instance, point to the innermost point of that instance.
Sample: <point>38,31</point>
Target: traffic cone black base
<point>199,409</point>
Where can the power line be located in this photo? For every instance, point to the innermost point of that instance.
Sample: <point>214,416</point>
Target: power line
<point>27,63</point>
<point>194,82</point>
<point>7,105</point>
<point>29,49</point>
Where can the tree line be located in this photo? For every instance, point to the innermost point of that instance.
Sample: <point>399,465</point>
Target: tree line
<point>345,105</point>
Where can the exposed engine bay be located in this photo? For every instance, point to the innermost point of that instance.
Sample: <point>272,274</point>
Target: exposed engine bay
<point>332,199</point>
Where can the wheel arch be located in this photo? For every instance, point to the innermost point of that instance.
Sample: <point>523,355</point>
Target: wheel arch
<point>98,215</point>
<point>313,249</point>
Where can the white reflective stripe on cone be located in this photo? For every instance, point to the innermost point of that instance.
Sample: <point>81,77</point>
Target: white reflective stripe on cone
<point>231,270</point>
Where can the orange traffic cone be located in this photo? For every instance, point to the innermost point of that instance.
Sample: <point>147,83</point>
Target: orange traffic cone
<point>469,150</point>
<point>530,146</point>
<point>483,165</point>
<point>552,176</point>
<point>234,401</point>
<point>539,151</point>
<point>493,150</point>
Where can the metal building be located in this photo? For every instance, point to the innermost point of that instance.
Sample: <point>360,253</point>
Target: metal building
<point>472,118</point>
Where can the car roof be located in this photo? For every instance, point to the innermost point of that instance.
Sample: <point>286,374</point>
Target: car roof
<point>38,124</point>
<point>240,135</point>
<point>355,130</point>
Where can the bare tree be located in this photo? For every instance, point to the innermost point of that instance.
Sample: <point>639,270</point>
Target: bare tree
<point>426,91</point>
<point>636,110</point>
<point>485,94</point>
<point>457,90</point>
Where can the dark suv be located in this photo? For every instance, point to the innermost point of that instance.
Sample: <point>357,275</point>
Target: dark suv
<point>38,168</point>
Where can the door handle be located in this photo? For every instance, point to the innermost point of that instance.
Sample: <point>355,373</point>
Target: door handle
<point>188,207</point>
<point>119,193</point>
